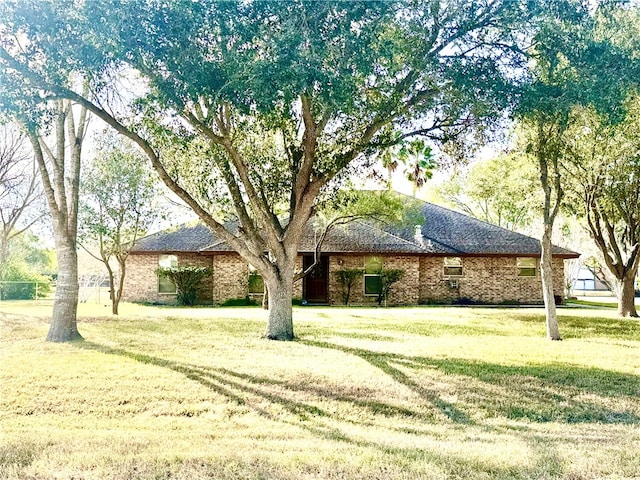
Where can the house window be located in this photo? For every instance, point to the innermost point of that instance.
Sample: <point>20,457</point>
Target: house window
<point>453,266</point>
<point>256,282</point>
<point>165,285</point>
<point>372,280</point>
<point>526,266</point>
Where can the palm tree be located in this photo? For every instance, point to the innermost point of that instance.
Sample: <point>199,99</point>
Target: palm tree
<point>420,163</point>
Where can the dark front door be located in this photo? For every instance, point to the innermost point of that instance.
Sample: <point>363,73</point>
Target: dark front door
<point>316,282</point>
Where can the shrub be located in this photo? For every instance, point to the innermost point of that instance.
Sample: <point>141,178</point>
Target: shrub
<point>347,277</point>
<point>256,282</point>
<point>21,284</point>
<point>187,279</point>
<point>387,278</point>
<point>239,302</point>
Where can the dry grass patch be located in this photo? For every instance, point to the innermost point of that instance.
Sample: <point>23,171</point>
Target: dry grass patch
<point>437,393</point>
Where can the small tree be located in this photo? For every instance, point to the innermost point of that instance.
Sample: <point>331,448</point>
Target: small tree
<point>187,280</point>
<point>347,278</point>
<point>118,205</point>
<point>387,278</point>
<point>19,189</point>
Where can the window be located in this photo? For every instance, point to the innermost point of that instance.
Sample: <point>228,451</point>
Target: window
<point>453,266</point>
<point>372,280</point>
<point>526,266</point>
<point>256,283</point>
<point>165,285</point>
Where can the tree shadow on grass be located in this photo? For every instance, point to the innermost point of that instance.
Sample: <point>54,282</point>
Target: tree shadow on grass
<point>279,400</point>
<point>261,394</point>
<point>540,393</point>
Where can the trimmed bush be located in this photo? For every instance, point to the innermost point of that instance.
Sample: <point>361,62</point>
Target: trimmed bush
<point>187,279</point>
<point>239,302</point>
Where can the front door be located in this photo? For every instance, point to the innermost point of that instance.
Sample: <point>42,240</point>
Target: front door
<point>315,284</point>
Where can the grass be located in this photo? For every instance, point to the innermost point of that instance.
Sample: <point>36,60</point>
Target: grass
<point>399,393</point>
<point>613,303</point>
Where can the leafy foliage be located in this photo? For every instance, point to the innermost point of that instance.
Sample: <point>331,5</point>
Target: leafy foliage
<point>119,203</point>
<point>502,191</point>
<point>119,196</point>
<point>347,278</point>
<point>571,44</point>
<point>187,280</point>
<point>251,110</point>
<point>27,263</point>
<point>388,277</point>
<point>604,189</point>
<point>256,282</point>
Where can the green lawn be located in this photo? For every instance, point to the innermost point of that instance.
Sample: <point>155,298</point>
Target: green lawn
<point>398,393</point>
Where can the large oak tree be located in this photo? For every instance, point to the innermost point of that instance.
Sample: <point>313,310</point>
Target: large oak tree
<point>254,110</point>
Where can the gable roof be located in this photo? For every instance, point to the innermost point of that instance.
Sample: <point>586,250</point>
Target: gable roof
<point>444,232</point>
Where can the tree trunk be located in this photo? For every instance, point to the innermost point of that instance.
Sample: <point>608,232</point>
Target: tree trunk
<point>115,301</point>
<point>61,182</point>
<point>63,326</point>
<point>626,298</point>
<point>546,272</point>
<point>280,322</point>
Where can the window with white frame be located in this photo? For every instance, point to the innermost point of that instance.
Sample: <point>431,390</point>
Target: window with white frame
<point>453,266</point>
<point>165,285</point>
<point>372,280</point>
<point>526,266</point>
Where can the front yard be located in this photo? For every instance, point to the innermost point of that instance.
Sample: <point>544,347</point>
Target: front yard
<point>396,393</point>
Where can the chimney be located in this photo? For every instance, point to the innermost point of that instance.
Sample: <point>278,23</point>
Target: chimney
<point>419,238</point>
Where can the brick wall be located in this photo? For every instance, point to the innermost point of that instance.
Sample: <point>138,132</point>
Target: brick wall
<point>484,279</point>
<point>231,274</point>
<point>141,281</point>
<point>404,292</point>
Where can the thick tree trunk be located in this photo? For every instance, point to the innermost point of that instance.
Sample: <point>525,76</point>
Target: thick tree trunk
<point>546,272</point>
<point>280,322</point>
<point>61,182</point>
<point>626,298</point>
<point>63,326</point>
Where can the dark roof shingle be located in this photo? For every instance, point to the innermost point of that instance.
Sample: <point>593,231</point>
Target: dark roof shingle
<point>444,232</point>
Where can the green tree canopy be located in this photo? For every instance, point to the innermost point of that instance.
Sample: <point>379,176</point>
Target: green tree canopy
<point>603,188</point>
<point>118,205</point>
<point>586,55</point>
<point>502,190</point>
<point>262,106</point>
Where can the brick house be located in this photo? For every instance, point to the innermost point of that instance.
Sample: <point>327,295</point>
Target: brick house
<point>450,258</point>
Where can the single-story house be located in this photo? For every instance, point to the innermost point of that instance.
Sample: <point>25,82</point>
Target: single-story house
<point>449,258</point>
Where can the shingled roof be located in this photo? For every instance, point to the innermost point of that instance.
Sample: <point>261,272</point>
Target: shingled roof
<point>188,237</point>
<point>448,232</point>
<point>444,232</point>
